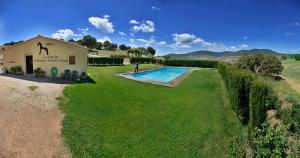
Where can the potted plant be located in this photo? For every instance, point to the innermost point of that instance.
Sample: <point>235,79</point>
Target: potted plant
<point>42,73</point>
<point>13,70</point>
<point>38,72</point>
<point>19,70</point>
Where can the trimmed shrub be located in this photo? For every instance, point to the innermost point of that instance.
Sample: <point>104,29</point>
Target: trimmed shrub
<point>16,70</point>
<point>192,63</point>
<point>13,70</point>
<point>146,61</point>
<point>142,60</point>
<point>38,72</point>
<point>238,82</point>
<point>261,99</point>
<point>19,69</point>
<point>105,61</point>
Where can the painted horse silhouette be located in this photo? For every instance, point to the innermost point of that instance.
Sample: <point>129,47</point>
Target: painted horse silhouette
<point>42,48</point>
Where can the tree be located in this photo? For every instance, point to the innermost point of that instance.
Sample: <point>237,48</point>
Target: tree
<point>89,41</point>
<point>167,57</point>
<point>284,57</point>
<point>106,45</point>
<point>99,46</point>
<point>122,47</point>
<point>12,43</point>
<point>263,64</point>
<point>135,51</point>
<point>297,57</point>
<point>112,46</point>
<point>80,42</point>
<point>151,50</point>
<point>144,50</point>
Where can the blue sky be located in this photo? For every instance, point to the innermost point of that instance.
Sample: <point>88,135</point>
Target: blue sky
<point>170,26</point>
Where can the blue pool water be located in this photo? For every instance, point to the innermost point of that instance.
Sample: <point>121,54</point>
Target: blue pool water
<point>165,75</point>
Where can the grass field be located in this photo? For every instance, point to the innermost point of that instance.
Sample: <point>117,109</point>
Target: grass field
<point>291,69</point>
<point>117,117</point>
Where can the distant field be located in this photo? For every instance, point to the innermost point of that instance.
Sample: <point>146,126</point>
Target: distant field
<point>117,117</point>
<point>291,69</point>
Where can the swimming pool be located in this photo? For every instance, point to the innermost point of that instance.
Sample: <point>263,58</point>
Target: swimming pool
<point>162,75</point>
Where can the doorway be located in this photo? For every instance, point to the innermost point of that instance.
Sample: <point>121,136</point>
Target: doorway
<point>29,65</point>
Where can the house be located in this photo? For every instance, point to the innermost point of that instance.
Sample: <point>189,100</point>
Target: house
<point>51,55</point>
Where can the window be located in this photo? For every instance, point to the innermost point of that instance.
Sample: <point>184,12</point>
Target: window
<point>71,60</point>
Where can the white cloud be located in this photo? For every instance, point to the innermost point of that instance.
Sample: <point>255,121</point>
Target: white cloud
<point>122,33</point>
<point>106,16</point>
<point>295,24</point>
<point>162,43</point>
<point>288,34</point>
<point>150,42</point>
<point>132,45</point>
<point>134,22</point>
<point>155,8</point>
<point>131,34</point>
<point>64,34</point>
<point>132,40</point>
<point>297,50</point>
<point>83,30</point>
<point>105,38</point>
<point>147,26</point>
<point>102,23</point>
<point>243,46</point>
<point>187,40</point>
<point>142,40</point>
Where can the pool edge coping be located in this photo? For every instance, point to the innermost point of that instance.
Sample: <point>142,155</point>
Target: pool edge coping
<point>172,83</point>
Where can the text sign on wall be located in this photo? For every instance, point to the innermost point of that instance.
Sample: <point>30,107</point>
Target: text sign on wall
<point>51,59</point>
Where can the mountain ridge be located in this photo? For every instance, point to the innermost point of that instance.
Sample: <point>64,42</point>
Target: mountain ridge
<point>224,54</point>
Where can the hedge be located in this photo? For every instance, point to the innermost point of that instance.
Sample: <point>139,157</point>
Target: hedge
<point>142,60</point>
<point>238,83</point>
<point>250,95</point>
<point>105,61</point>
<point>192,63</point>
<point>260,94</point>
<point>146,61</point>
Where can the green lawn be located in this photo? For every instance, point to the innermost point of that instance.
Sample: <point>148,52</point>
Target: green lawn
<point>117,117</point>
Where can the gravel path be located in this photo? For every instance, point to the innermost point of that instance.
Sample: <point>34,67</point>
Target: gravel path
<point>30,121</point>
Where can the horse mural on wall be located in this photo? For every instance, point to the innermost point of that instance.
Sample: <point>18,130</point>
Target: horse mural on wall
<point>42,48</point>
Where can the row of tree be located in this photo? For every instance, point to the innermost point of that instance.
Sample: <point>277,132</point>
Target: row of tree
<point>91,42</point>
<point>138,52</point>
<point>11,43</point>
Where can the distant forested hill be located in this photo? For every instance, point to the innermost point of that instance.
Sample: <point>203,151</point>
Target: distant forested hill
<point>214,55</point>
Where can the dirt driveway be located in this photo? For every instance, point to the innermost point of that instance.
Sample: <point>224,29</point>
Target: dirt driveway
<point>30,121</point>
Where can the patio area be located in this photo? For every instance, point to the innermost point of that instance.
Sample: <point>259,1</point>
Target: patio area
<point>30,120</point>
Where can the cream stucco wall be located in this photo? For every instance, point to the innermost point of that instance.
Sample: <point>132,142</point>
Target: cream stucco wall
<point>58,57</point>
